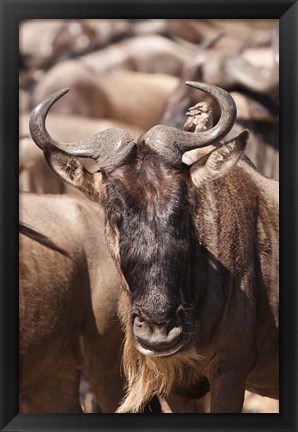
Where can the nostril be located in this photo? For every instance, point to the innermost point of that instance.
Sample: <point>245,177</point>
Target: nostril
<point>142,330</point>
<point>159,332</point>
<point>138,321</point>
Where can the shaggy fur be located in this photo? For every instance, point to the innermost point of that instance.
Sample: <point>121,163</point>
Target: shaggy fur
<point>149,376</point>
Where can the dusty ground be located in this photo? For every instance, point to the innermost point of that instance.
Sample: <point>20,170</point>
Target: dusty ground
<point>258,404</point>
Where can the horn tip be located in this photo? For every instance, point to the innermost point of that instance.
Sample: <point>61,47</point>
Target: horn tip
<point>64,90</point>
<point>198,85</point>
<point>59,93</point>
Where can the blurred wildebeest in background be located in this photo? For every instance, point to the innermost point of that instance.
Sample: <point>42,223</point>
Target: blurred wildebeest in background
<point>130,74</point>
<point>68,295</point>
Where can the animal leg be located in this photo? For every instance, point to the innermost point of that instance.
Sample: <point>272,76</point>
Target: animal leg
<point>108,391</point>
<point>177,404</point>
<point>102,366</point>
<point>227,392</point>
<point>57,393</point>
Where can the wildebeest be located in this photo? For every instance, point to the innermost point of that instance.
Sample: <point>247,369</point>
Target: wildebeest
<point>131,97</point>
<point>66,38</point>
<point>197,252</point>
<point>68,295</point>
<point>149,54</point>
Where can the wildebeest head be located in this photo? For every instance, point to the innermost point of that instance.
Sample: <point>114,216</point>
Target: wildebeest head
<point>145,190</point>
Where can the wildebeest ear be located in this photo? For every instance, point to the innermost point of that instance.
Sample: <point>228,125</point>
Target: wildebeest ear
<point>219,161</point>
<point>73,171</point>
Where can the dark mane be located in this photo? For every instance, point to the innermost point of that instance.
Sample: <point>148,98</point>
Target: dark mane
<point>151,197</point>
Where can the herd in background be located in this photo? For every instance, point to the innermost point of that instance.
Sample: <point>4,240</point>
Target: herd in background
<point>131,74</point>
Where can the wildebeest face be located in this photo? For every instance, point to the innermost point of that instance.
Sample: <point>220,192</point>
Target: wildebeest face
<point>147,215</point>
<point>143,188</point>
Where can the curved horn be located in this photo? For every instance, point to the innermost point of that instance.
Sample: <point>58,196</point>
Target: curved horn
<point>172,143</point>
<point>109,147</point>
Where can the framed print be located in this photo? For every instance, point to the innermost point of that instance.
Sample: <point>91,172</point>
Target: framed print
<point>144,279</point>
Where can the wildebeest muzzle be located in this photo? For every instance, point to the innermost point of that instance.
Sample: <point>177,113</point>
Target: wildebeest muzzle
<point>159,334</point>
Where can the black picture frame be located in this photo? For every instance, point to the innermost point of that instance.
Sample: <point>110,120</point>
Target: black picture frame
<point>11,13</point>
